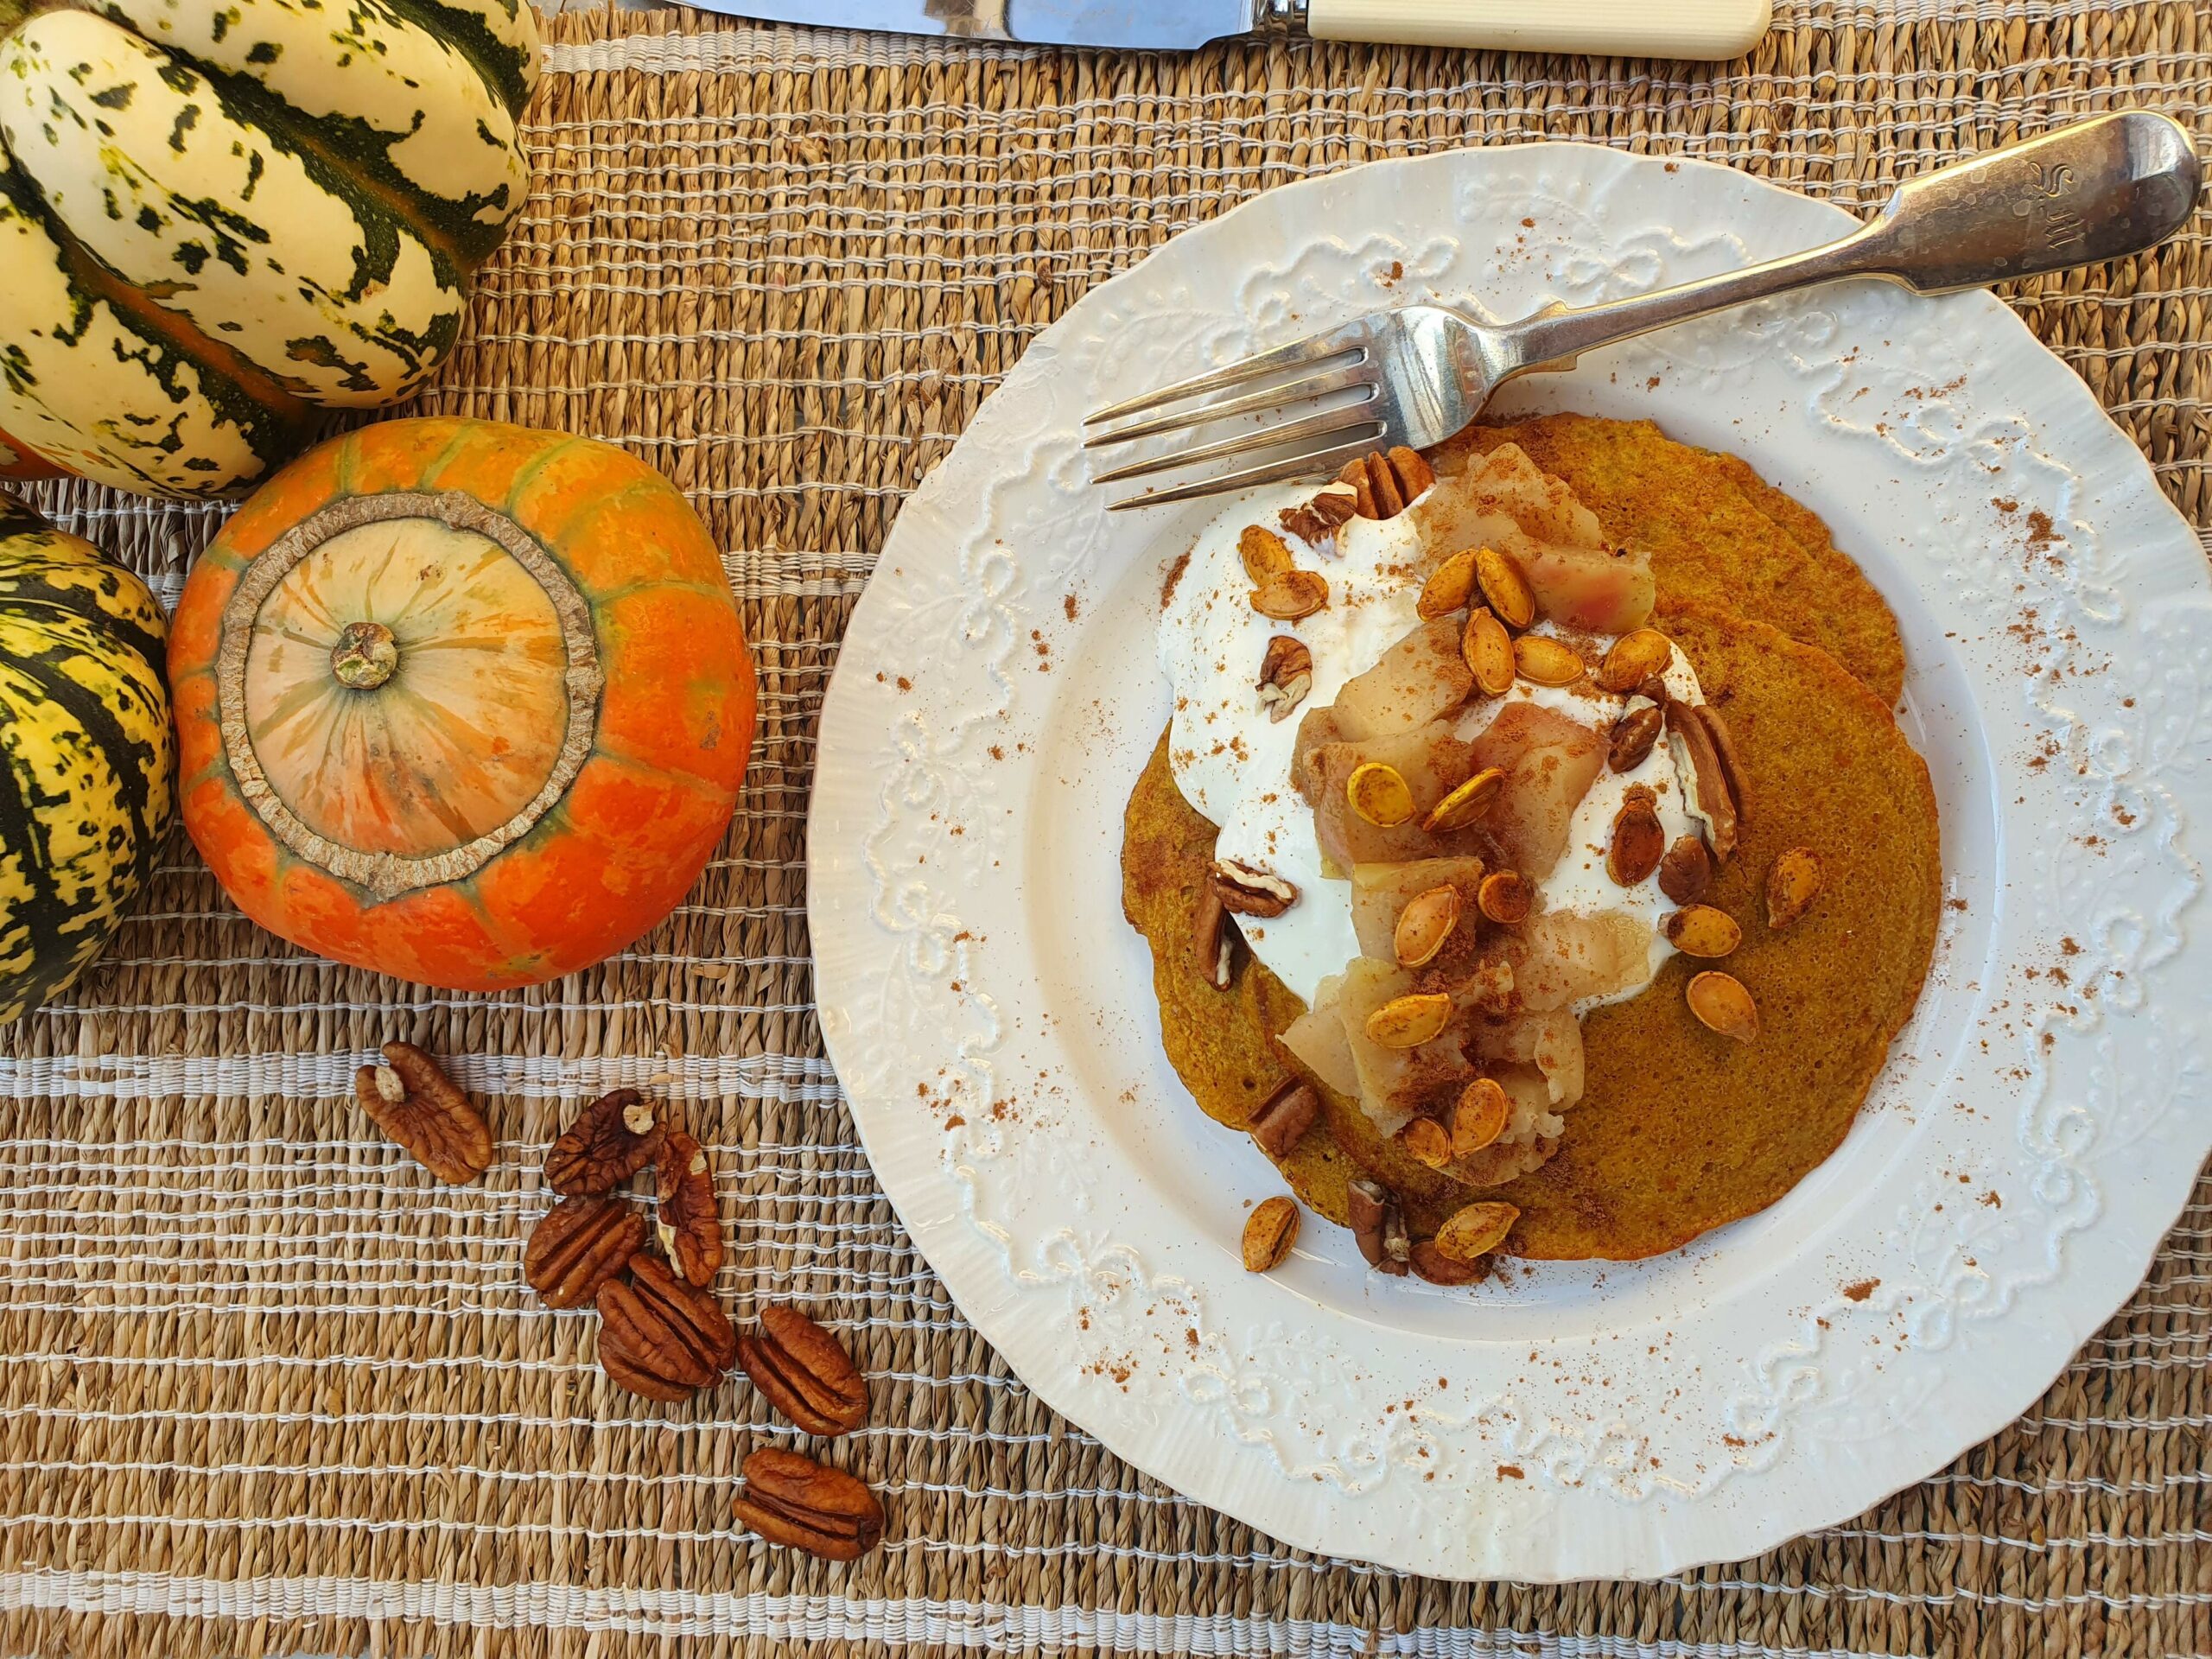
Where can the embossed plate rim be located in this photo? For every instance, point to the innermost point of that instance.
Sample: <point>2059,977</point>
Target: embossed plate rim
<point>936,665</point>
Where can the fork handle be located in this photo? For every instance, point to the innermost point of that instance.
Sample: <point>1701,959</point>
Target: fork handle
<point>2095,190</point>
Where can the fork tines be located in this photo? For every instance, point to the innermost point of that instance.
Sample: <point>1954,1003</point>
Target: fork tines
<point>1338,362</point>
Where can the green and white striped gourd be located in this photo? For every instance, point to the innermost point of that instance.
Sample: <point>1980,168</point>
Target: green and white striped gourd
<point>218,219</point>
<point>87,753</point>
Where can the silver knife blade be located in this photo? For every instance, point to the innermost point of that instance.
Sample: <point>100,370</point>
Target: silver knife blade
<point>1167,25</point>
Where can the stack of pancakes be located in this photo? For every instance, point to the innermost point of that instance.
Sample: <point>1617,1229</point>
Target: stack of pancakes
<point>1679,1129</point>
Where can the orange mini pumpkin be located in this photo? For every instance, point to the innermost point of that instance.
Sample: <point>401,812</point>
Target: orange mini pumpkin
<point>459,701</point>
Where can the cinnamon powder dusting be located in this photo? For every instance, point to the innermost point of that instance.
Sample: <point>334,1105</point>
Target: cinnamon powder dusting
<point>1175,576</point>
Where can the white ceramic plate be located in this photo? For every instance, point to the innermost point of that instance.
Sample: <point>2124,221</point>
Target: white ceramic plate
<point>2042,1118</point>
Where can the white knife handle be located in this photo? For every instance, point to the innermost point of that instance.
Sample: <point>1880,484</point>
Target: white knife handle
<point>1671,29</point>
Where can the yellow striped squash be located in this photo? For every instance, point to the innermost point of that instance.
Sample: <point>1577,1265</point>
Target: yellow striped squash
<point>217,220</point>
<point>87,754</point>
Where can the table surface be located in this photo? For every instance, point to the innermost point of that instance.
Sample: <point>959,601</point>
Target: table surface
<point>265,1388</point>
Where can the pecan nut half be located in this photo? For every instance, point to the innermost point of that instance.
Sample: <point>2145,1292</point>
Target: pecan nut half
<point>1687,870</point>
<point>1213,941</point>
<point>1633,735</point>
<point>577,1245</point>
<point>1724,745</point>
<point>416,1105</point>
<point>1432,1264</point>
<point>1378,1226</point>
<point>1284,1116</point>
<point>690,1227</point>
<point>1248,890</point>
<point>792,1500</point>
<point>613,1138</point>
<point>804,1372</point>
<point>659,1336</point>
<point>1316,522</point>
<point>1384,485</point>
<point>1702,740</point>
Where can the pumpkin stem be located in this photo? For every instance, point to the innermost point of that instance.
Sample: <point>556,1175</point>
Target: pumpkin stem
<point>365,655</point>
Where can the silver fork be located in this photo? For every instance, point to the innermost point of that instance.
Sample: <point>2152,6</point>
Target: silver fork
<point>2097,189</point>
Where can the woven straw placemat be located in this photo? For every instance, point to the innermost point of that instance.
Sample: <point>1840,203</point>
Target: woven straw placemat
<point>266,1389</point>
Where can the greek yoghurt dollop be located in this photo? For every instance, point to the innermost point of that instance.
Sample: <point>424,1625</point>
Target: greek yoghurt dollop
<point>1232,761</point>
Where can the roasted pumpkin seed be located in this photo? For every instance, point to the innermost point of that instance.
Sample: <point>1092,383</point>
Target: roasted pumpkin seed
<point>1505,896</point>
<point>1380,794</point>
<point>1722,1004</point>
<point>1633,658</point>
<point>1424,925</point>
<point>1476,1230</point>
<point>1425,1142</point>
<point>1446,589</point>
<point>1288,595</point>
<point>1504,589</point>
<point>1269,1231</point>
<point>1265,554</point>
<point>1479,1117</point>
<point>1542,660</point>
<point>1489,652</point>
<point>1702,930</point>
<point>1466,804</point>
<point>1410,1020</point>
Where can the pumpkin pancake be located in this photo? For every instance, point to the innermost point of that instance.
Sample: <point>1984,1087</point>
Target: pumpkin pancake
<point>1678,1130</point>
<point>1718,534</point>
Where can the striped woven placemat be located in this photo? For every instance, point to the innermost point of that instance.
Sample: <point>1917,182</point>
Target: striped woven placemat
<point>265,1388</point>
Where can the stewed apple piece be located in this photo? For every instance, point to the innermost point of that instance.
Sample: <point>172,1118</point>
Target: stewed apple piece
<point>1533,1118</point>
<point>1505,502</point>
<point>1597,589</point>
<point>1317,727</point>
<point>1504,489</point>
<point>1316,1040</point>
<point>1550,1040</point>
<point>1549,760</point>
<point>1559,958</point>
<point>1421,678</point>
